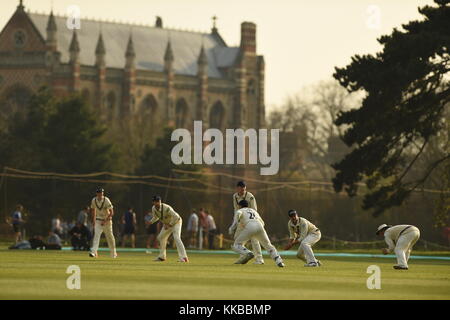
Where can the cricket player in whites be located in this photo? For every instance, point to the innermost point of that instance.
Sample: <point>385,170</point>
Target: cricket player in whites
<point>399,239</point>
<point>304,232</point>
<point>102,213</point>
<point>252,227</point>
<point>243,194</point>
<point>172,224</point>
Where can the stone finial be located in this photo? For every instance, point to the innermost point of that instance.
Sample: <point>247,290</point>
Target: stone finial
<point>159,22</point>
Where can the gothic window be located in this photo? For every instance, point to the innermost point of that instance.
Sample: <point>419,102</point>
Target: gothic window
<point>15,99</point>
<point>86,95</point>
<point>132,102</point>
<point>181,113</point>
<point>19,39</point>
<point>111,101</point>
<point>111,104</point>
<point>251,87</point>
<point>217,116</point>
<point>148,107</point>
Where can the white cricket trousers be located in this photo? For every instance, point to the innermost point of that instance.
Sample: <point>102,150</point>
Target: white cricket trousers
<point>255,246</point>
<point>164,236</point>
<point>254,230</point>
<point>305,252</point>
<point>405,244</point>
<point>107,229</point>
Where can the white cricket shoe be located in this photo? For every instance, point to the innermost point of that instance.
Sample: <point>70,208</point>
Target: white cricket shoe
<point>93,254</point>
<point>311,264</point>
<point>259,262</point>
<point>114,256</point>
<point>319,264</point>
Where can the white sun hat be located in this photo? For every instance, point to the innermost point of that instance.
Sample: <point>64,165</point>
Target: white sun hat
<point>382,227</point>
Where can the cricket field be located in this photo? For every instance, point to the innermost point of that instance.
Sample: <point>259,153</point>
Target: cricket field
<point>34,274</point>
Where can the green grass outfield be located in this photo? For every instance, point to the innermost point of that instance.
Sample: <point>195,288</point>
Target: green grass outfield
<point>32,274</point>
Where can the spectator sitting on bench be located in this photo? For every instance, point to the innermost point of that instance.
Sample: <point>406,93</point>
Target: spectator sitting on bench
<point>53,241</point>
<point>80,237</point>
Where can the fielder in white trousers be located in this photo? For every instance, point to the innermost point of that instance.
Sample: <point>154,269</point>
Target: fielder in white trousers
<point>405,244</point>
<point>255,246</point>
<point>400,240</point>
<point>305,252</point>
<point>108,230</point>
<point>164,236</point>
<point>255,230</point>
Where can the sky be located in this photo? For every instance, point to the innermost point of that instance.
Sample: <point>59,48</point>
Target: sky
<point>302,41</point>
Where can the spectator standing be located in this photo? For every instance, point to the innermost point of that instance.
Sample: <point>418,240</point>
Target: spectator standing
<point>17,222</point>
<point>212,229</point>
<point>203,228</point>
<point>129,227</point>
<point>83,216</point>
<point>56,225</point>
<point>192,229</point>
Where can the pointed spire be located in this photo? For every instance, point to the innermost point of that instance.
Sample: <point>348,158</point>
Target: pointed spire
<point>74,44</point>
<point>100,52</point>
<point>130,48</point>
<point>130,54</point>
<point>100,49</point>
<point>51,24</point>
<point>20,6</point>
<point>74,48</point>
<point>168,55</point>
<point>51,32</point>
<point>202,59</point>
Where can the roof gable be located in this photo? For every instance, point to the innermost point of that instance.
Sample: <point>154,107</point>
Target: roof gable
<point>33,37</point>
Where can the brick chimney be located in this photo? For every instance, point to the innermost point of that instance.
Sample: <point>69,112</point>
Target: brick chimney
<point>248,37</point>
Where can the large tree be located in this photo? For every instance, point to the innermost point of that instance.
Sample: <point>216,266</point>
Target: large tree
<point>407,92</point>
<point>56,135</point>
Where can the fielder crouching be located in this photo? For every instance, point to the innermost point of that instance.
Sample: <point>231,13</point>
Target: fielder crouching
<point>252,227</point>
<point>401,240</point>
<point>172,225</point>
<point>307,234</point>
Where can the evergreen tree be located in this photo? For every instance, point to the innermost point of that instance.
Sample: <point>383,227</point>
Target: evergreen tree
<point>407,91</point>
<point>54,135</point>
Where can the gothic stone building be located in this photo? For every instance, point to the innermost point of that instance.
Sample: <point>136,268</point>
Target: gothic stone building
<point>149,71</point>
